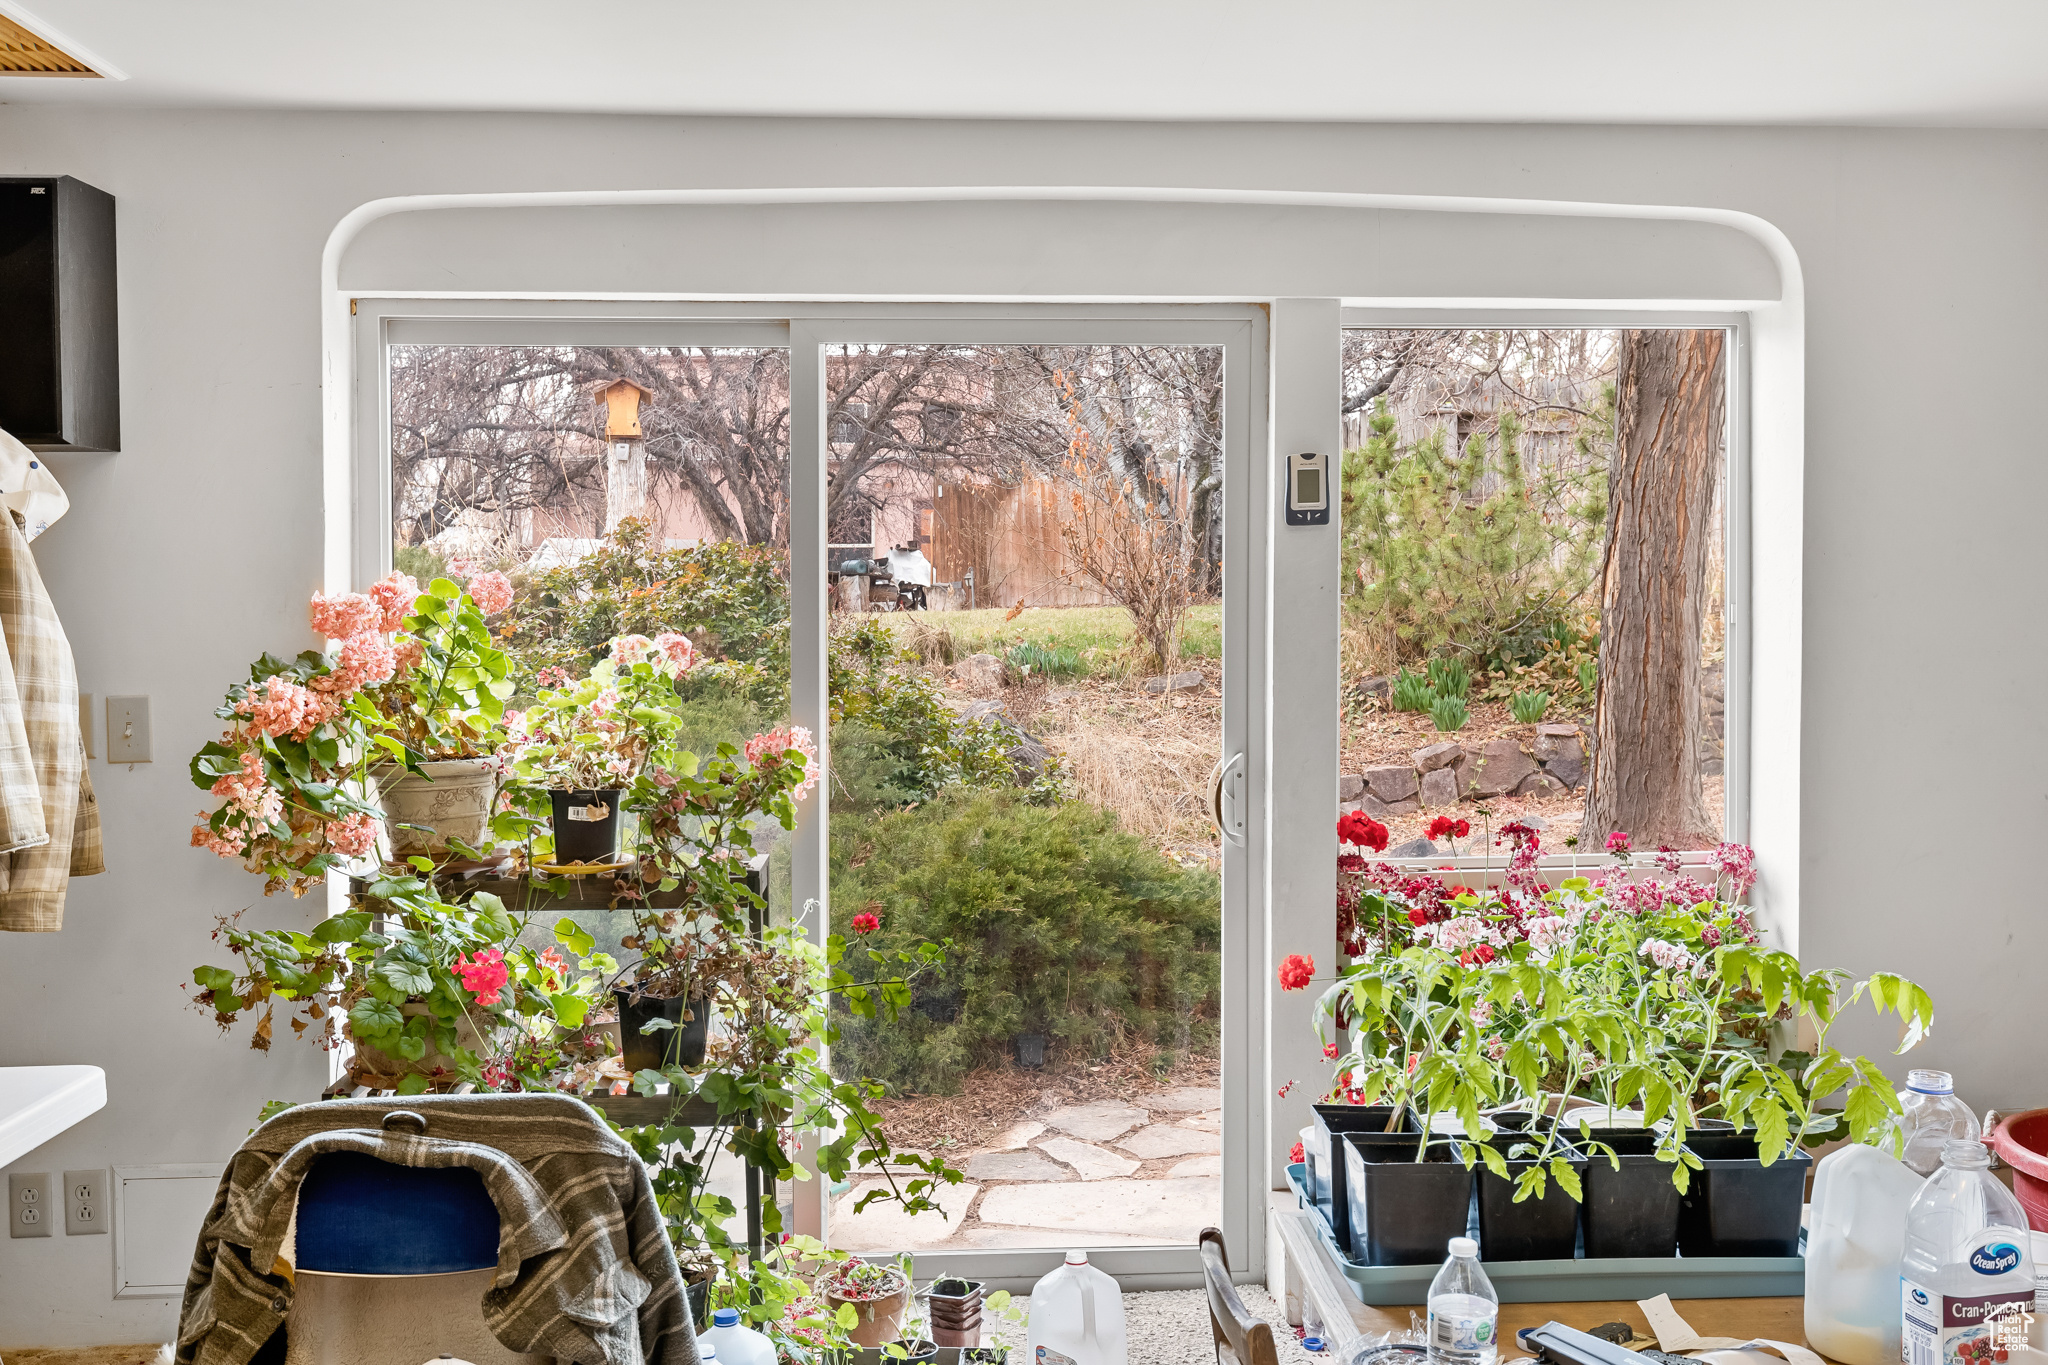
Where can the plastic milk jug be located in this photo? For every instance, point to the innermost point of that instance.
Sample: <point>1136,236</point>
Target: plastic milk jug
<point>736,1345</point>
<point>1856,1235</point>
<point>1077,1317</point>
<point>1966,1284</point>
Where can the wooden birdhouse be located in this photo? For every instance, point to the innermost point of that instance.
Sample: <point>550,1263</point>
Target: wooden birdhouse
<point>621,399</point>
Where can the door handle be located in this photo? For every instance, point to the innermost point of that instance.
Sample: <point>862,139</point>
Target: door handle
<point>1226,798</point>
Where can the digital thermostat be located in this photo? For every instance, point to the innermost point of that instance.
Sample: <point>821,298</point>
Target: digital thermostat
<point>1308,490</point>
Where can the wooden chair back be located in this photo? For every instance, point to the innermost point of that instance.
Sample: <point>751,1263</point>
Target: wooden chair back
<point>1240,1337</point>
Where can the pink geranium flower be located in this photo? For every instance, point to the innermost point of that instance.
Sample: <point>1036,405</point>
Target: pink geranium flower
<point>353,835</point>
<point>680,653</point>
<point>774,744</point>
<point>492,592</point>
<point>484,974</point>
<point>343,614</point>
<point>394,597</point>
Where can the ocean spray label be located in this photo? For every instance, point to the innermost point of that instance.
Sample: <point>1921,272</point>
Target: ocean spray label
<point>1962,1329</point>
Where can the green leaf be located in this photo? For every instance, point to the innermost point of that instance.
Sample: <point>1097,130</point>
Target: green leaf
<point>574,937</point>
<point>569,1009</point>
<point>401,975</point>
<point>375,1018</point>
<point>412,1083</point>
<point>346,927</point>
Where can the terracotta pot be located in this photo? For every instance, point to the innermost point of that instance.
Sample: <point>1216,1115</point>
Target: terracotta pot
<point>2021,1141</point>
<point>881,1320</point>
<point>369,1062</point>
<point>452,802</point>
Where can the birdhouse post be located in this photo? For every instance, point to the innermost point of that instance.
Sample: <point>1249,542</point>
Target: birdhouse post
<point>625,459</point>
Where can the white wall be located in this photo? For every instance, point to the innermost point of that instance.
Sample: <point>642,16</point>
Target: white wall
<point>194,550</point>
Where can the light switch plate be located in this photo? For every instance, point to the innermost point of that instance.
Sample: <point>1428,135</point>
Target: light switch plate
<point>31,1204</point>
<point>127,729</point>
<point>85,1203</point>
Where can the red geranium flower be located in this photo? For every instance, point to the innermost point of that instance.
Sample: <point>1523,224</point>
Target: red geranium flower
<point>1445,827</point>
<point>1330,1051</point>
<point>1296,971</point>
<point>866,924</point>
<point>1296,1155</point>
<point>1418,916</point>
<point>1357,828</point>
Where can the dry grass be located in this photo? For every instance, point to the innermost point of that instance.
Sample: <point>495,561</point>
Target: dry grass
<point>993,1098</point>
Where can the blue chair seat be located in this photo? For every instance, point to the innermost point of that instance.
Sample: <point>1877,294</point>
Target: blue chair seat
<point>362,1216</point>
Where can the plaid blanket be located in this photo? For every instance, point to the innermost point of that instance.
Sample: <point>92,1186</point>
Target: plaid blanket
<point>585,1272</point>
<point>49,821</point>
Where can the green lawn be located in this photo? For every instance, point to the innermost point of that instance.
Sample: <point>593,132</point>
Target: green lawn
<point>1097,634</point>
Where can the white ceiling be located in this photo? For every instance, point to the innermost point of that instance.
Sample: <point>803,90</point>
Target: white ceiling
<point>1949,62</point>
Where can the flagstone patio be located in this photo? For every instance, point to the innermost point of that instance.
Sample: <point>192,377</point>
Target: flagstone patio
<point>1104,1173</point>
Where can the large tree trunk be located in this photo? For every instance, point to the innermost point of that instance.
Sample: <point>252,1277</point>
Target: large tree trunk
<point>1669,416</point>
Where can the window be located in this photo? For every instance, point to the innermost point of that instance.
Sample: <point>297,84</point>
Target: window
<point>996,460</point>
<point>1536,607</point>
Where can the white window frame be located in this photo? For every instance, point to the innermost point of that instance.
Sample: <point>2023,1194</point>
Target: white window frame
<point>1242,329</point>
<point>1736,766</point>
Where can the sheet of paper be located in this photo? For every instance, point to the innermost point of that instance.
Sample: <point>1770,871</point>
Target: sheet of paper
<point>1675,1334</point>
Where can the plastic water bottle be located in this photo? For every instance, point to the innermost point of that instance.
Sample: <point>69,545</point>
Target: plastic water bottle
<point>1464,1312</point>
<point>1966,1281</point>
<point>1077,1317</point>
<point>734,1344</point>
<point>1933,1117</point>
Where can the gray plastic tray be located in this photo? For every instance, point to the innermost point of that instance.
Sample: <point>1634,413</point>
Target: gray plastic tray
<point>1574,1281</point>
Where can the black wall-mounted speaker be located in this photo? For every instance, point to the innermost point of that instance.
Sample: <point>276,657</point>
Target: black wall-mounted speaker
<point>60,364</point>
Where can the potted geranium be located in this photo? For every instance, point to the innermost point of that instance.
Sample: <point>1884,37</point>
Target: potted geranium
<point>582,744</point>
<point>875,1295</point>
<point>441,707</point>
<point>289,766</point>
<point>429,993</point>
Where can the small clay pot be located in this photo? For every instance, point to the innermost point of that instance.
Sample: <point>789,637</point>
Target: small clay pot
<point>881,1319</point>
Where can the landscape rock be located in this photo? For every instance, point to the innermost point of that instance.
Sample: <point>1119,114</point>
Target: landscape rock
<point>1021,1165</point>
<point>1199,1165</point>
<point>1378,686</point>
<point>1028,757</point>
<point>1713,767</point>
<point>1391,784</point>
<point>1092,1162</point>
<point>1350,786</point>
<point>1016,1136</point>
<point>1179,682</point>
<point>1555,730</point>
<point>1439,787</point>
<point>1568,768</point>
<point>883,1226</point>
<point>982,672</point>
<point>1384,811</point>
<point>1540,784</point>
<point>1098,1121</point>
<point>1498,768</point>
<point>987,708</point>
<point>1165,1210</point>
<point>1162,1139</point>
<point>1437,756</point>
<point>1414,848</point>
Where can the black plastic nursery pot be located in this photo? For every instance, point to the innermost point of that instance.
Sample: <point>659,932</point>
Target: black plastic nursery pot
<point>1403,1211</point>
<point>682,1045</point>
<point>1324,1156</point>
<point>1632,1211</point>
<point>1537,1229</point>
<point>1736,1205</point>
<point>586,825</point>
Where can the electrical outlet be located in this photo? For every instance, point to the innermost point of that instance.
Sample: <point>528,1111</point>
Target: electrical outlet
<point>85,1203</point>
<point>30,1204</point>
<point>127,729</point>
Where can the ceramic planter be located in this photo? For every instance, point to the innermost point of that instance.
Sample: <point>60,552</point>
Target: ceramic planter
<point>453,801</point>
<point>880,1319</point>
<point>1403,1211</point>
<point>370,1064</point>
<point>1545,1229</point>
<point>1736,1205</point>
<point>586,825</point>
<point>681,1046</point>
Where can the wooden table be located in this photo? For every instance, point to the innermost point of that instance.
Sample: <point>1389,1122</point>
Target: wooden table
<point>1302,1272</point>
